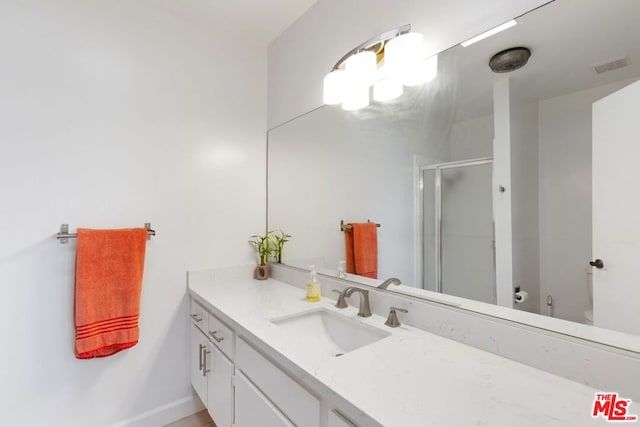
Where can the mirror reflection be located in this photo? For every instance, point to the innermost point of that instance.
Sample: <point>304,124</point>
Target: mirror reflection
<point>498,187</point>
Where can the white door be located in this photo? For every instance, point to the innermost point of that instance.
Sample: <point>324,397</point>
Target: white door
<point>219,388</point>
<point>616,210</point>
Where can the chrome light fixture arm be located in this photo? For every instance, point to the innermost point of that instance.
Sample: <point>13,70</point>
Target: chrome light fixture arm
<point>373,41</point>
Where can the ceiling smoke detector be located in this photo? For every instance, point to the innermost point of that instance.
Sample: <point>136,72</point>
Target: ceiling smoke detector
<point>509,59</point>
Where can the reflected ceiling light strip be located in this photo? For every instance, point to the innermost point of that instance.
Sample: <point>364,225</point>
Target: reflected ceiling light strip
<point>388,62</point>
<point>490,33</point>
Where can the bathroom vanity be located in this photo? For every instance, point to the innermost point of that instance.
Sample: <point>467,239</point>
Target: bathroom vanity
<point>262,355</point>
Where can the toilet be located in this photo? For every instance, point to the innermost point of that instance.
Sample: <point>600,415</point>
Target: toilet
<point>588,314</point>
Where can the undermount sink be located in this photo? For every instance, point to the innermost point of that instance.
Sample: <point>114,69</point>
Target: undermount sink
<point>328,332</point>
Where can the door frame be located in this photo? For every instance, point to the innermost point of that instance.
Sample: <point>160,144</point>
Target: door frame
<point>437,168</point>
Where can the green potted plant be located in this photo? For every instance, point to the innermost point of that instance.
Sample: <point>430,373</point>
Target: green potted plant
<point>279,239</point>
<point>264,248</point>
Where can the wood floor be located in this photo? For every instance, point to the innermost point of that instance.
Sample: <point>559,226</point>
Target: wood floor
<point>201,419</point>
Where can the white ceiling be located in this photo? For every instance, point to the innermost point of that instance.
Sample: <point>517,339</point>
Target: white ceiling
<point>266,18</point>
<point>566,37</point>
<point>258,21</point>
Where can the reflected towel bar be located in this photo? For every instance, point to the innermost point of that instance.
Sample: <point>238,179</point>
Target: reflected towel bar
<point>64,234</point>
<point>344,226</point>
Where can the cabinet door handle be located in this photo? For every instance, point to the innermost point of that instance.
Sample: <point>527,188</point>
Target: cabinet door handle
<point>196,318</point>
<point>215,337</point>
<point>200,357</point>
<point>205,371</point>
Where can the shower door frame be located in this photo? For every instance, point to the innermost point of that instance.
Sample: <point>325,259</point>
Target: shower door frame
<point>437,168</point>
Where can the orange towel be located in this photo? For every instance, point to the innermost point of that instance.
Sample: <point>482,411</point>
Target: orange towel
<point>109,265</point>
<point>361,242</point>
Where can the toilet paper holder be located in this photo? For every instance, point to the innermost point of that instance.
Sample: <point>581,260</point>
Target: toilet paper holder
<point>519,296</point>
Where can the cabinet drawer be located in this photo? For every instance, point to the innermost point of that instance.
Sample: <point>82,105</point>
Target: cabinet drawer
<point>293,400</point>
<point>253,409</point>
<point>199,316</point>
<point>221,335</point>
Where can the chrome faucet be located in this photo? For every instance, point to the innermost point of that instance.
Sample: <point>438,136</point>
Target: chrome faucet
<point>364,309</point>
<point>391,281</point>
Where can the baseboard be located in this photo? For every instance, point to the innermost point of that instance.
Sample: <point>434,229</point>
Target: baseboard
<point>165,414</point>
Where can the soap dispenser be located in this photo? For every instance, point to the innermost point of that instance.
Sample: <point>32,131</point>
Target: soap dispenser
<point>341,269</point>
<point>313,286</point>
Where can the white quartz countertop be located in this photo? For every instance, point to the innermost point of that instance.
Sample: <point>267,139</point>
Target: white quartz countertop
<point>411,378</point>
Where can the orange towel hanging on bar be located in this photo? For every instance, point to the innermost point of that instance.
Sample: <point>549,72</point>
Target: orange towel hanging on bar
<point>109,266</point>
<point>361,240</point>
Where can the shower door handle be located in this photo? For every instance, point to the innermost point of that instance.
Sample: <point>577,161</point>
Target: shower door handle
<point>597,264</point>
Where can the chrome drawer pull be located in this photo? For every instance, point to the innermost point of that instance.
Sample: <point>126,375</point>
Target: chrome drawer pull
<point>215,337</point>
<point>205,371</point>
<point>200,357</point>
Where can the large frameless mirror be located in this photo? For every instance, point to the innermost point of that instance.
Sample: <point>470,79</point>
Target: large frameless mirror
<point>490,189</point>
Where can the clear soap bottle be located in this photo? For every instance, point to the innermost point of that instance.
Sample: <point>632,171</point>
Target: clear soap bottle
<point>341,269</point>
<point>313,286</point>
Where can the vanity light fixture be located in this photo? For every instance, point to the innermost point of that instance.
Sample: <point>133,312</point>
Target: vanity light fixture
<point>490,33</point>
<point>388,62</point>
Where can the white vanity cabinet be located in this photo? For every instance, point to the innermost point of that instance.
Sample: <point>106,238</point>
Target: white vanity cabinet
<point>291,399</point>
<point>199,344</point>
<point>211,370</point>
<point>241,387</point>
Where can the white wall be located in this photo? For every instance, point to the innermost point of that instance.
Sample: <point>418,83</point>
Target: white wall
<point>524,200</point>
<point>303,54</point>
<point>472,138</point>
<point>502,208</point>
<point>565,199</point>
<point>113,114</point>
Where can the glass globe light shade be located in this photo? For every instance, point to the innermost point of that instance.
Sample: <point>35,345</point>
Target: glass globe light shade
<point>356,98</point>
<point>362,68</point>
<point>402,53</point>
<point>334,87</point>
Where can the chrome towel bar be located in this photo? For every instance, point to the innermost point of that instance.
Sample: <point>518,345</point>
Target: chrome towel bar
<point>344,226</point>
<point>64,234</point>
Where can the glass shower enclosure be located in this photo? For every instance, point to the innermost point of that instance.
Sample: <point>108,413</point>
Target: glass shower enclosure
<point>458,246</point>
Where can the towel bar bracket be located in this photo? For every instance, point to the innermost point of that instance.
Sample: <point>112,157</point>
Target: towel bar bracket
<point>64,230</point>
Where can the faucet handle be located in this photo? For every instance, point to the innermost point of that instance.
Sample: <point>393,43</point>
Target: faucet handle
<point>392,320</point>
<point>341,303</point>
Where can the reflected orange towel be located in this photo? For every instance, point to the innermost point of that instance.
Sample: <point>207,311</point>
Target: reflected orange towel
<point>361,242</point>
<point>109,266</point>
